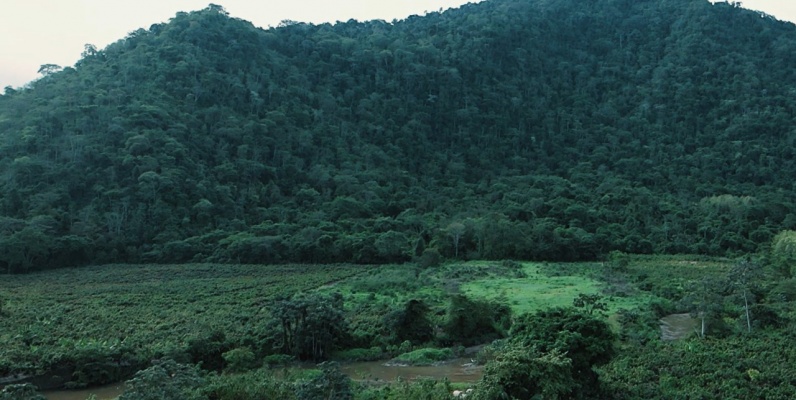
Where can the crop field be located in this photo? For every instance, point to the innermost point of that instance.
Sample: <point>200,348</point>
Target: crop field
<point>149,310</point>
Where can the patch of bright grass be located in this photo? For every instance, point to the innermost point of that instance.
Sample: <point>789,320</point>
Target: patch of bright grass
<point>538,290</point>
<point>425,356</point>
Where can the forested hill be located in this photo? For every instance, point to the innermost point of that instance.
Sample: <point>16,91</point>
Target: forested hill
<point>529,129</point>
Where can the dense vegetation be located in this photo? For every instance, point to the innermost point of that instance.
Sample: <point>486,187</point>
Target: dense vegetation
<point>232,332</point>
<point>547,130</point>
<point>511,129</point>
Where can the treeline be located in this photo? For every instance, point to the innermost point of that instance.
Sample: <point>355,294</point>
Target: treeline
<point>505,129</point>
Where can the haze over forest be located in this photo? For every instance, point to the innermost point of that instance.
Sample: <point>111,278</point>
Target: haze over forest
<point>536,130</point>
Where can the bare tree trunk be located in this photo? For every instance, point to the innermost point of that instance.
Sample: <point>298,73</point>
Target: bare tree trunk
<point>746,308</point>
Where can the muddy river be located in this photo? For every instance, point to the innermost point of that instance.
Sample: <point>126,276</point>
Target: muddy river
<point>108,392</point>
<point>458,370</point>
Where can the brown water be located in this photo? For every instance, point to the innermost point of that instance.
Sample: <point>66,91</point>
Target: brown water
<point>678,326</point>
<point>458,370</point>
<point>108,392</point>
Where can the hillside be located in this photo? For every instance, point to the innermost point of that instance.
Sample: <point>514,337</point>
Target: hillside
<point>528,129</point>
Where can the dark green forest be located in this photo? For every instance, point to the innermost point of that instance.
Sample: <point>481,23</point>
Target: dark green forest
<point>554,130</point>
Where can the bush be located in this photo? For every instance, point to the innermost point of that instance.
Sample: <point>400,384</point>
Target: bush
<point>166,380</point>
<point>430,258</point>
<point>239,359</point>
<point>784,291</point>
<point>21,392</point>
<point>331,384</point>
<point>425,356</point>
<point>359,354</point>
<point>254,385</point>
<point>278,359</point>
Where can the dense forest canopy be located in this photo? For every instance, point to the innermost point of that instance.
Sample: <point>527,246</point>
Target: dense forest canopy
<point>532,129</point>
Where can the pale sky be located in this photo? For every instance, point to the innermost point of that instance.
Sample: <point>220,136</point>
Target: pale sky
<point>36,32</point>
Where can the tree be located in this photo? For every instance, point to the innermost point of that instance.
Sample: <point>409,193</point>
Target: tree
<point>523,373</point>
<point>331,384</point>
<point>586,340</point>
<point>165,380</point>
<point>455,230</point>
<point>239,359</point>
<point>471,321</point>
<point>24,391</point>
<point>48,69</point>
<point>411,323</point>
<point>22,250</point>
<point>783,253</point>
<point>311,325</point>
<point>392,246</point>
<point>590,303</point>
<point>743,278</point>
<point>704,302</point>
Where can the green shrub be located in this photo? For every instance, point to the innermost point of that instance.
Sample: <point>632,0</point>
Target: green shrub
<point>254,385</point>
<point>784,291</point>
<point>430,258</point>
<point>239,359</point>
<point>21,392</point>
<point>277,359</point>
<point>359,354</point>
<point>425,356</point>
<point>165,380</point>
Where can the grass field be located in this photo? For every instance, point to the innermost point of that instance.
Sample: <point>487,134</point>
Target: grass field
<point>539,291</point>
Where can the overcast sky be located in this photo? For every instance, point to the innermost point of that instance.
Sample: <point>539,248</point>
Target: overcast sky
<point>36,32</point>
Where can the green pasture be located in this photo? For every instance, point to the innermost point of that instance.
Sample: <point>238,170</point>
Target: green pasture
<point>538,290</point>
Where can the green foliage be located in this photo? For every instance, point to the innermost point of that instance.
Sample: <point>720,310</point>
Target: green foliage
<point>618,261</point>
<point>165,380</point>
<point>359,354</point>
<point>426,389</point>
<point>586,341</point>
<point>251,385</point>
<point>783,253</point>
<point>469,321</point>
<point>331,384</point>
<point>522,373</point>
<point>590,303</point>
<point>206,139</point>
<point>311,326</point>
<point>430,258</point>
<point>784,290</point>
<point>106,322</point>
<point>208,351</point>
<point>21,392</point>
<point>239,359</point>
<point>425,356</point>
<point>708,369</point>
<point>410,323</point>
<point>703,300</point>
